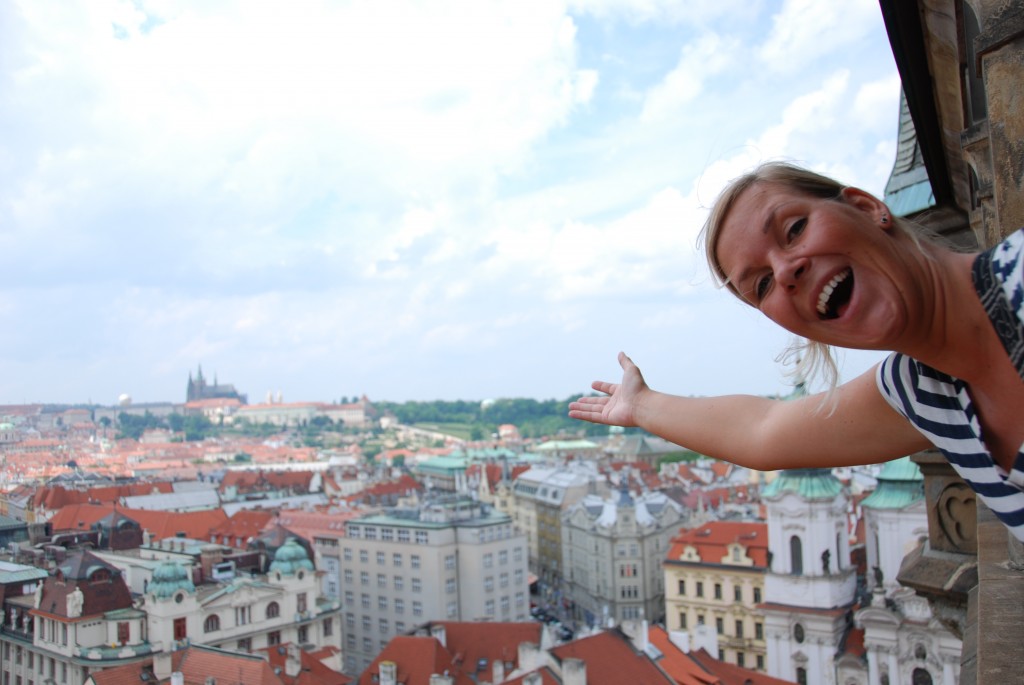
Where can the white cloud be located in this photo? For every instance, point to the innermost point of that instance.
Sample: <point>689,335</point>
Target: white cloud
<point>804,30</point>
<point>700,60</point>
<point>455,198</point>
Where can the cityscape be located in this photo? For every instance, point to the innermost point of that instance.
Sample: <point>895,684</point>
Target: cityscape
<point>338,199</point>
<point>334,541</point>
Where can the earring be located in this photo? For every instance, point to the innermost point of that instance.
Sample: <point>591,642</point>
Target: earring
<point>885,219</point>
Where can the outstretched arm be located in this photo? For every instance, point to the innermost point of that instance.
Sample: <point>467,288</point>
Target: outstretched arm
<point>758,432</point>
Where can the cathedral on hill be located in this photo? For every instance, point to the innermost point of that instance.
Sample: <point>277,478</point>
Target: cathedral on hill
<point>199,389</point>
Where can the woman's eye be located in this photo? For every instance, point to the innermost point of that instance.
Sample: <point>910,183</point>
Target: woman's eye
<point>796,228</point>
<point>761,286</point>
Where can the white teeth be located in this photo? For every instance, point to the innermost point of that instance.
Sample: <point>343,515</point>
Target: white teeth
<point>829,288</point>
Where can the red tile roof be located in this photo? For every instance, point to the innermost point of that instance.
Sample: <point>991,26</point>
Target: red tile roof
<point>678,664</point>
<point>160,524</point>
<point>469,643</point>
<point>712,539</point>
<point>612,660</point>
<point>242,525</point>
<point>731,674</point>
<point>417,659</point>
<point>311,670</point>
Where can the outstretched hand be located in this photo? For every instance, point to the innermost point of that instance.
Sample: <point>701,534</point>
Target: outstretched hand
<point>619,405</point>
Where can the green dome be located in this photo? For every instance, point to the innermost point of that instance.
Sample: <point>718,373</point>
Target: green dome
<point>900,484</point>
<point>290,557</point>
<point>168,578</point>
<point>807,483</point>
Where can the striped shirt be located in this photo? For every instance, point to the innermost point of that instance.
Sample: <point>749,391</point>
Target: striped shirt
<point>939,405</point>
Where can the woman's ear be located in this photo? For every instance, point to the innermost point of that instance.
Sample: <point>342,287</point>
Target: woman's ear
<point>869,204</point>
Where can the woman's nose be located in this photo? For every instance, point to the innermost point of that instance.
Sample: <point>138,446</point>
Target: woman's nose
<point>790,272</point>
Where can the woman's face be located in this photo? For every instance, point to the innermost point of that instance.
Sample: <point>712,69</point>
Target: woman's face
<point>826,270</point>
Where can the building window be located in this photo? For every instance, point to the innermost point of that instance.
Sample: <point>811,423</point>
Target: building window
<point>211,624</point>
<point>488,584</point>
<point>739,628</point>
<point>328,627</point>
<point>382,603</point>
<point>758,631</point>
<point>801,675</point>
<point>417,586</point>
<point>348,554</point>
<point>274,637</point>
<point>387,534</point>
<point>737,593</point>
<point>123,635</point>
<point>399,582</point>
<point>303,634</point>
<point>719,626</point>
<point>921,676</point>
<point>415,561</point>
<point>760,662</point>
<point>740,659</point>
<point>503,557</point>
<point>364,601</point>
<point>370,533</point>
<point>274,610</point>
<point>300,603</point>
<point>488,561</point>
<point>366,623</point>
<point>180,628</point>
<point>718,591</point>
<point>382,626</point>
<point>382,558</point>
<point>417,608</point>
<point>347,573</point>
<point>364,556</point>
<point>796,556</point>
<point>504,580</point>
<point>757,595</point>
<point>396,560</point>
<point>682,587</point>
<point>700,589</point>
<point>421,537</point>
<point>382,580</point>
<point>403,535</point>
<point>364,578</point>
<point>489,607</point>
<point>399,606</point>
<point>682,620</point>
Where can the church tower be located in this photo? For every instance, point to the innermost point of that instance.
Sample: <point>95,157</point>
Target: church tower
<point>810,585</point>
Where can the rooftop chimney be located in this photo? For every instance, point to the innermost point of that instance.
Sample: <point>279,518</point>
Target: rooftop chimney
<point>574,672</point>
<point>162,665</point>
<point>438,631</point>
<point>293,662</point>
<point>388,673</point>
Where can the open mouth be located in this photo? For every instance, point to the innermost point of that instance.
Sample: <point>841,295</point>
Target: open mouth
<point>835,294</point>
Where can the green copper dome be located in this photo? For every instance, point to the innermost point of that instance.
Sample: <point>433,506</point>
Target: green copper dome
<point>168,578</point>
<point>290,558</point>
<point>900,484</point>
<point>807,483</point>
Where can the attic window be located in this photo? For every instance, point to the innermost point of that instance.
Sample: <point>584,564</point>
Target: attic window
<point>481,665</point>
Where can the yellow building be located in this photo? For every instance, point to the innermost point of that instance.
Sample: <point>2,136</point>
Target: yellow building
<point>714,576</point>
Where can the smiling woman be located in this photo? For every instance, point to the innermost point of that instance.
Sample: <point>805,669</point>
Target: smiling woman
<point>829,263</point>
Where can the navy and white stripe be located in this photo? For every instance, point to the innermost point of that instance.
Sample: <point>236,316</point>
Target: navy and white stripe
<point>939,405</point>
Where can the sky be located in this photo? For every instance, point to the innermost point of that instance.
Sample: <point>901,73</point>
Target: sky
<point>411,200</point>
